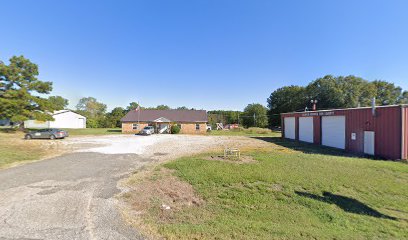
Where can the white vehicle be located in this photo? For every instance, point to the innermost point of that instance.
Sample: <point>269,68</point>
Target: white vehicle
<point>147,130</point>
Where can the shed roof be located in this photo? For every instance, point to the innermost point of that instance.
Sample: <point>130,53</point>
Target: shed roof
<point>147,115</point>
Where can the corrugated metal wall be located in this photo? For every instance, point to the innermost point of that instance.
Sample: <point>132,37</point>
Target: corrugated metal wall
<point>386,124</point>
<point>317,127</point>
<point>387,127</point>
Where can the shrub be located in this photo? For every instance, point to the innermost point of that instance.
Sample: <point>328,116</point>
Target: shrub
<point>175,129</point>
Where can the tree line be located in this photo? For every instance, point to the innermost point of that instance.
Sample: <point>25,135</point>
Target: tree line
<point>254,115</point>
<point>333,92</point>
<point>98,116</point>
<point>23,96</point>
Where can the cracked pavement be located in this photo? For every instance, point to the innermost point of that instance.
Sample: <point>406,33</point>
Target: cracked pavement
<point>73,196</point>
<point>66,197</point>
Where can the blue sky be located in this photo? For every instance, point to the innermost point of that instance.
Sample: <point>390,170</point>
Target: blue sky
<point>210,54</point>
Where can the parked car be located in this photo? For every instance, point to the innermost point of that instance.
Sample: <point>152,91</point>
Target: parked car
<point>48,133</point>
<point>147,130</point>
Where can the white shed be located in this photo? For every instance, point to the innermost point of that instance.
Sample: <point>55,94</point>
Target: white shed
<point>62,119</point>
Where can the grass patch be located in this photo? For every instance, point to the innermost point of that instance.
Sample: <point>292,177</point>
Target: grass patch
<point>251,132</point>
<point>291,194</point>
<point>15,150</point>
<point>93,131</point>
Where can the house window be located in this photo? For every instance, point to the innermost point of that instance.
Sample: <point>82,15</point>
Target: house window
<point>197,126</point>
<point>135,126</point>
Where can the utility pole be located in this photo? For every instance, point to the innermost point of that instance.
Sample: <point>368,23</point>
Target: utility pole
<point>254,119</point>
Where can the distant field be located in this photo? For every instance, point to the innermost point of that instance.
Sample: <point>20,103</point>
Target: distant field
<point>292,191</point>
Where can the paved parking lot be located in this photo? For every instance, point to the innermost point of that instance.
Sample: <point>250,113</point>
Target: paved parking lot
<point>73,196</point>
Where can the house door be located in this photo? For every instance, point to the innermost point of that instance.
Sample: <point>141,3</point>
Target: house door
<point>369,142</point>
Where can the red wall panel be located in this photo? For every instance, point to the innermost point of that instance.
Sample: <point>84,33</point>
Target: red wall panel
<point>297,128</point>
<point>317,130</point>
<point>387,125</point>
<point>405,132</point>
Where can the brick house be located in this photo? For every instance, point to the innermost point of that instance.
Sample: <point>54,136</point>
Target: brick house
<point>189,121</point>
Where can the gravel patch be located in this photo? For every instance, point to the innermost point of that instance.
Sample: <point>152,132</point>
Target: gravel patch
<point>159,147</point>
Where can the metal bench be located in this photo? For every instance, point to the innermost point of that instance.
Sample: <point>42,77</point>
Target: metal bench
<point>233,153</point>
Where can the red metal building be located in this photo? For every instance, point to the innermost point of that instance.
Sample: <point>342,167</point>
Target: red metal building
<point>379,131</point>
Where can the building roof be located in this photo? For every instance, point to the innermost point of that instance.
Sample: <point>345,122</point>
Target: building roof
<point>65,111</point>
<point>146,115</point>
<point>348,109</point>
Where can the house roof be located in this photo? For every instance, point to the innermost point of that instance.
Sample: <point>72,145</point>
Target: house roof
<point>65,111</point>
<point>147,115</point>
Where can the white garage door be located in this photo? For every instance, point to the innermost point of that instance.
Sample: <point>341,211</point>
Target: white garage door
<point>334,131</point>
<point>290,128</point>
<point>306,129</point>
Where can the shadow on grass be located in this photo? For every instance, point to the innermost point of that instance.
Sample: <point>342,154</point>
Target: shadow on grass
<point>307,147</point>
<point>350,205</point>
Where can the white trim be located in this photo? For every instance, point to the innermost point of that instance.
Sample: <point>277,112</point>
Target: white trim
<point>161,119</point>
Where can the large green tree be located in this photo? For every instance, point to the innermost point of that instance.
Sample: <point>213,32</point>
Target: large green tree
<point>58,102</point>
<point>285,99</point>
<point>387,93</point>
<point>91,107</point>
<point>163,107</point>
<point>255,115</point>
<point>93,110</point>
<point>21,92</point>
<point>112,118</point>
<point>223,116</point>
<point>356,91</point>
<point>132,106</point>
<point>327,91</point>
<point>404,98</point>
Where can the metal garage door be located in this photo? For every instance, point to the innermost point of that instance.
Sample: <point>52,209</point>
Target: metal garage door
<point>290,127</point>
<point>306,129</point>
<point>334,131</point>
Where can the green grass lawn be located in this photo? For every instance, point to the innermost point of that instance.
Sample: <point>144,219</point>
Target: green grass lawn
<point>93,131</point>
<point>245,132</point>
<point>293,191</point>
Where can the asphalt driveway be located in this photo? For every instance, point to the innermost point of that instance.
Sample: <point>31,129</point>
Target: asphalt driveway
<point>73,196</point>
<point>67,197</point>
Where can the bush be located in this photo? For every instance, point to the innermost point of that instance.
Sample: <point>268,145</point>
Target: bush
<point>175,129</point>
<point>91,123</point>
